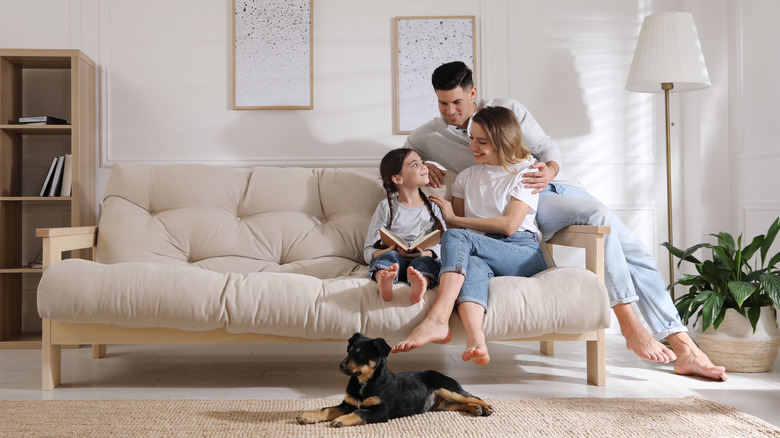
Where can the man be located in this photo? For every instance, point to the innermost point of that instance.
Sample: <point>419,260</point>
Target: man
<point>630,273</point>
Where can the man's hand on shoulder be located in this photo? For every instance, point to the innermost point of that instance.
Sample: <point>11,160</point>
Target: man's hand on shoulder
<point>541,178</point>
<point>435,175</point>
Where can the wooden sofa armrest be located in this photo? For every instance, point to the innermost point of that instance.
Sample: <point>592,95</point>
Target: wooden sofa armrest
<point>58,240</point>
<point>590,237</point>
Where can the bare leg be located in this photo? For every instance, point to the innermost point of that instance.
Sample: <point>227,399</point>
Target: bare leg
<point>472,315</point>
<point>638,339</point>
<point>419,283</point>
<point>436,325</point>
<point>384,281</point>
<point>691,360</point>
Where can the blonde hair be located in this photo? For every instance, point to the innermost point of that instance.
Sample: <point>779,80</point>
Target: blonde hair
<point>504,133</point>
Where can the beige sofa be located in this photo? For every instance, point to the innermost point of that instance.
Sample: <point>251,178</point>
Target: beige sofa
<point>208,254</point>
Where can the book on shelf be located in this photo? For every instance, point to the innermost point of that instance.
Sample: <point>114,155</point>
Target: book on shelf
<point>41,120</point>
<point>425,240</point>
<point>56,179</point>
<point>52,185</point>
<point>67,176</point>
<point>47,181</point>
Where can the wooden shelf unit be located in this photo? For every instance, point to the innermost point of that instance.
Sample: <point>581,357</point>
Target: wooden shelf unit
<point>81,134</point>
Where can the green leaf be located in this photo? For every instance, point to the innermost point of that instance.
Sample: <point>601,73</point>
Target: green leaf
<point>711,310</point>
<point>751,249</point>
<point>725,257</point>
<point>742,290</point>
<point>677,252</point>
<point>719,319</point>
<point>753,315</point>
<point>686,255</point>
<point>771,284</point>
<point>770,237</point>
<point>726,240</point>
<point>689,280</point>
<point>775,259</point>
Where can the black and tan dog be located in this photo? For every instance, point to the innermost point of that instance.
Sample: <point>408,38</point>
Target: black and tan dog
<point>375,394</point>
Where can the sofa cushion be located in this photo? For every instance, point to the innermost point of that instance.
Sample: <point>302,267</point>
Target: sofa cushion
<point>142,294</point>
<point>307,221</point>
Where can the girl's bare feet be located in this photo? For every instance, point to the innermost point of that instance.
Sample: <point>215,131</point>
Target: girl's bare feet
<point>476,350</point>
<point>429,330</point>
<point>384,281</point>
<point>638,339</point>
<point>418,282</point>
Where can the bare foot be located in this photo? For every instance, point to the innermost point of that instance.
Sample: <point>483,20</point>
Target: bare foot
<point>638,339</point>
<point>384,281</point>
<point>646,347</point>
<point>476,350</point>
<point>691,361</point>
<point>428,331</point>
<point>418,282</point>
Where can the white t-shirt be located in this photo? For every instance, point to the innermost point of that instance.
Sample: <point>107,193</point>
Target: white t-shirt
<point>487,190</point>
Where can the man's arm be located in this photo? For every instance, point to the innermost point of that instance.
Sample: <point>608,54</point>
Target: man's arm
<point>542,146</point>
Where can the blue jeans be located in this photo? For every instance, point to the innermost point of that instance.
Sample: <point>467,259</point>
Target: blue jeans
<point>629,269</point>
<point>481,257</point>
<point>427,266</point>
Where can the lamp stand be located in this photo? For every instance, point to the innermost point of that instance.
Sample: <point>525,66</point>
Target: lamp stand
<point>667,87</point>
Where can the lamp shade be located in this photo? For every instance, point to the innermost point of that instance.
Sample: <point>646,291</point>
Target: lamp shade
<point>668,51</point>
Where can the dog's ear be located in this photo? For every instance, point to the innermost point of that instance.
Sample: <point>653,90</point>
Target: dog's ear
<point>382,346</point>
<point>355,337</point>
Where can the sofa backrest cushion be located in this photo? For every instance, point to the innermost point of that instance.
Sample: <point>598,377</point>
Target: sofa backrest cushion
<point>304,220</point>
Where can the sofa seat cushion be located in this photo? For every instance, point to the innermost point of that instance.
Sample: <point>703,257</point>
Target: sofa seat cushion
<point>143,294</point>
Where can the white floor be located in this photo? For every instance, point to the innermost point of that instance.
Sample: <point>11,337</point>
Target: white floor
<point>311,370</point>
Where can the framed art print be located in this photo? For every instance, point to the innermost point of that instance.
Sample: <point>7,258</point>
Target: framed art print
<point>272,54</point>
<point>421,45</point>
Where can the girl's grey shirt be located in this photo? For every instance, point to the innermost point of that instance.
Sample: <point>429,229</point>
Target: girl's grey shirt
<point>409,223</point>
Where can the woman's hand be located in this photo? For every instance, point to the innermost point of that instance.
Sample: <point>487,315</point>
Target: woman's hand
<point>447,213</point>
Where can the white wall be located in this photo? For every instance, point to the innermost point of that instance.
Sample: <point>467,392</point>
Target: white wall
<point>165,94</point>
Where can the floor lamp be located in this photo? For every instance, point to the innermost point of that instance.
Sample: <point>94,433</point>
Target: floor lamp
<point>668,57</point>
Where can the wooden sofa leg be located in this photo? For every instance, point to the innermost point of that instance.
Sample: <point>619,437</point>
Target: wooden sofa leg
<point>547,347</point>
<point>98,351</point>
<point>51,359</point>
<point>597,360</point>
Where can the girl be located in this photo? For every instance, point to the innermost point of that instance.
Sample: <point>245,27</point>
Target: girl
<point>501,236</point>
<point>408,213</point>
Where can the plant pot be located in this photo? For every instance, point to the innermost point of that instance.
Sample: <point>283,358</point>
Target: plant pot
<point>735,346</point>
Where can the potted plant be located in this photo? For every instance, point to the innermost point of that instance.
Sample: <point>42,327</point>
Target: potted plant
<point>733,299</point>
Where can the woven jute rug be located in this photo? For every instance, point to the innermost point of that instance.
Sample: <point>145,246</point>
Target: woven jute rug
<point>532,417</point>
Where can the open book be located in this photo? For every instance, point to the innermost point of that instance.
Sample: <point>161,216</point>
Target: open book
<point>423,241</point>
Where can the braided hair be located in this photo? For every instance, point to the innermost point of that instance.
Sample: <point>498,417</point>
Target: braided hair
<point>391,165</point>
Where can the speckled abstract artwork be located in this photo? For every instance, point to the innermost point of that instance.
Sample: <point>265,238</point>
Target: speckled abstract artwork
<point>424,44</point>
<point>272,53</point>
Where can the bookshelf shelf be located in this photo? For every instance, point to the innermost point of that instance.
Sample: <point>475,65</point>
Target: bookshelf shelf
<point>16,67</point>
<point>37,129</point>
<point>36,198</point>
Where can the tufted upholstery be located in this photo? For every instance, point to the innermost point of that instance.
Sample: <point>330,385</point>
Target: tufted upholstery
<point>305,221</point>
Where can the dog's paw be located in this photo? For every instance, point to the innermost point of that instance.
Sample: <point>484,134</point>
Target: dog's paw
<point>337,423</point>
<point>305,418</point>
<point>481,411</point>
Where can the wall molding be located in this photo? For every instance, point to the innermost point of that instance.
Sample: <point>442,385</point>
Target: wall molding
<point>746,151</point>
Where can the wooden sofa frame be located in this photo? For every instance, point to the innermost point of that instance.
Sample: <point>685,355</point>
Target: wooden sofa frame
<point>56,334</point>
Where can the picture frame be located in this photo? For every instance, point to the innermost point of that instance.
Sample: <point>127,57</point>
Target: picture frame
<point>273,54</point>
<point>421,45</point>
